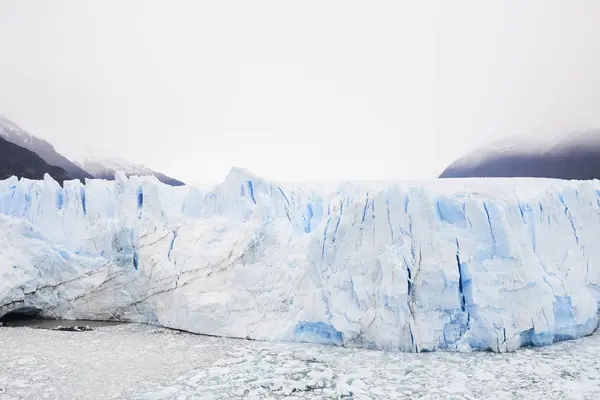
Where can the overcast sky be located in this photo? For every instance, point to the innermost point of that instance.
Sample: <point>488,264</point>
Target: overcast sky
<point>305,90</point>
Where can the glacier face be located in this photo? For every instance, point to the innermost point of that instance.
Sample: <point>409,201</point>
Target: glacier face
<point>457,265</point>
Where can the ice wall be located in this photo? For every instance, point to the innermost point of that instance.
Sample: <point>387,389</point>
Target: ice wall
<point>458,265</point>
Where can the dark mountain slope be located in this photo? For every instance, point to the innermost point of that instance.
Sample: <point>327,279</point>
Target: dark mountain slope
<point>15,134</point>
<point>24,163</point>
<point>101,169</point>
<point>573,156</point>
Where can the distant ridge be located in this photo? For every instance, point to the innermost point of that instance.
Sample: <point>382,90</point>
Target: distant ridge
<point>106,169</point>
<point>23,163</point>
<point>572,156</point>
<point>15,139</point>
<point>15,134</point>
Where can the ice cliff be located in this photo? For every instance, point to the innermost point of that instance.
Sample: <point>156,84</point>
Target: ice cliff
<point>459,265</point>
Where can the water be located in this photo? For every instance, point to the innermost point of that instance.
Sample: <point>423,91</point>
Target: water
<point>131,361</point>
<point>37,323</point>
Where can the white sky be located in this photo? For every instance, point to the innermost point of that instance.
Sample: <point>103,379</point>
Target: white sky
<point>306,90</point>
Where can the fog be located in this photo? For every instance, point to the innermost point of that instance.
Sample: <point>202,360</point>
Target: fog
<point>297,91</point>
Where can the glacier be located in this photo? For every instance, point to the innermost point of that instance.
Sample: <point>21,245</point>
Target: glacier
<point>457,265</point>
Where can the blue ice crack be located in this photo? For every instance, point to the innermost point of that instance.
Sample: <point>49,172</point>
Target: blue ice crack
<point>337,224</point>
<point>387,206</point>
<point>283,194</point>
<point>171,245</point>
<point>365,209</point>
<point>325,237</point>
<point>570,217</point>
<point>251,191</point>
<point>487,213</point>
<point>308,218</point>
<point>83,201</point>
<point>461,293</point>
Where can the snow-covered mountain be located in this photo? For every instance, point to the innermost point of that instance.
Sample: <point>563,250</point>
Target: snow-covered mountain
<point>15,134</point>
<point>563,156</point>
<point>19,161</point>
<point>67,170</point>
<point>105,168</point>
<point>448,264</point>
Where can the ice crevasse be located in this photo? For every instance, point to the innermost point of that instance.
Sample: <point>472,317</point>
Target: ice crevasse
<point>476,264</point>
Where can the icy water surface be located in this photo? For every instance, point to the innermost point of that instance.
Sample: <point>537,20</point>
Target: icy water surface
<point>141,362</point>
<point>54,323</point>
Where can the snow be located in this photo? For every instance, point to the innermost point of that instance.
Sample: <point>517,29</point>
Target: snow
<point>142,362</point>
<point>12,132</point>
<point>456,265</point>
<point>556,142</point>
<point>98,165</point>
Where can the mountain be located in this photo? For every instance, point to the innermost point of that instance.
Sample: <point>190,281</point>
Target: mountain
<point>572,156</point>
<point>106,168</point>
<point>55,164</point>
<point>15,134</point>
<point>23,163</point>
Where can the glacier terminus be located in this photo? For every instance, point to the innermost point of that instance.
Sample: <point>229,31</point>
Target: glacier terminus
<point>459,265</point>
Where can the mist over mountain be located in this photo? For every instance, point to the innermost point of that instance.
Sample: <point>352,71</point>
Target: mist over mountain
<point>23,163</point>
<point>105,168</point>
<point>25,155</point>
<point>15,134</point>
<point>565,156</point>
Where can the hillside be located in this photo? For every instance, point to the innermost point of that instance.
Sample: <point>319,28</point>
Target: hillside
<point>15,134</point>
<point>571,156</point>
<point>23,163</point>
<point>103,168</point>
